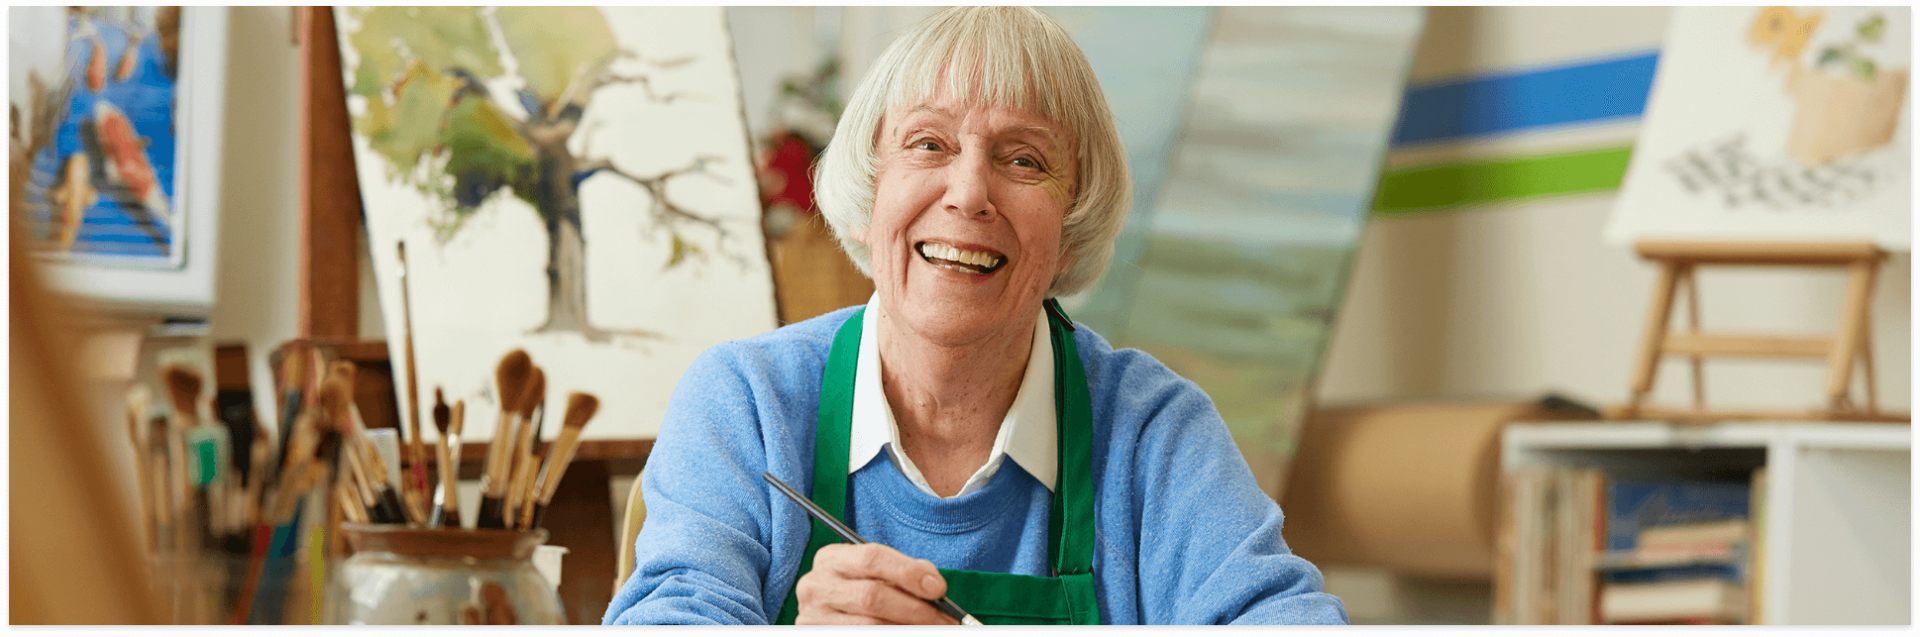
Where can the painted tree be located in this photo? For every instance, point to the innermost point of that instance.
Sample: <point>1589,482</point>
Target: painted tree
<point>425,73</point>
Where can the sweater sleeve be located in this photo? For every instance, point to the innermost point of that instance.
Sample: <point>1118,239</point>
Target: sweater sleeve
<point>703,553</point>
<point>1211,550</point>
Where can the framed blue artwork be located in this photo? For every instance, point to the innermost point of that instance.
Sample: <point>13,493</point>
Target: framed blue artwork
<point>115,135</point>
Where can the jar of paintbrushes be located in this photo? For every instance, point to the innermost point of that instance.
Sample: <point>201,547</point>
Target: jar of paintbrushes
<point>209,482</point>
<point>408,575</point>
<point>419,565</point>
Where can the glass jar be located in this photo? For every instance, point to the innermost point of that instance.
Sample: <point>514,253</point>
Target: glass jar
<point>403,575</point>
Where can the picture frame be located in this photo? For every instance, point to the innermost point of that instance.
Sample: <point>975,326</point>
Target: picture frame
<point>177,280</point>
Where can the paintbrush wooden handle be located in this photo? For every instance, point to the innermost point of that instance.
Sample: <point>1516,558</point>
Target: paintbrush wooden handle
<point>527,494</point>
<point>452,488</point>
<point>561,455</point>
<point>516,493</point>
<point>495,480</point>
<point>443,494</point>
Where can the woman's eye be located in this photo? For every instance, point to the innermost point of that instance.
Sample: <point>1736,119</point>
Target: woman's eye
<point>928,145</point>
<point>1026,162</point>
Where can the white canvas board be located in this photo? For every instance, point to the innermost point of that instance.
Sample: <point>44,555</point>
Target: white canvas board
<point>1770,126</point>
<point>482,290</point>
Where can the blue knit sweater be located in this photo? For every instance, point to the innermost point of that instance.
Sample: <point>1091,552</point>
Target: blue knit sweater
<point>1185,536</point>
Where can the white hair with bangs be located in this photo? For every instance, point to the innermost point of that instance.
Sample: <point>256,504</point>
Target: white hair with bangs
<point>1013,56</point>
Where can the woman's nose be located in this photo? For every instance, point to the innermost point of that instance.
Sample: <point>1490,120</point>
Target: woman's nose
<point>968,191</point>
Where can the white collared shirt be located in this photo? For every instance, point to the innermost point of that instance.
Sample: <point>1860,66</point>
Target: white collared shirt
<point>1027,434</point>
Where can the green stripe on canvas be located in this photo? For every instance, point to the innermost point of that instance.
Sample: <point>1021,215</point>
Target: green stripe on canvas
<point>1453,185</point>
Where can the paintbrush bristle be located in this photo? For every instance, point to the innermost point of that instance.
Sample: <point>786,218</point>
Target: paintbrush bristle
<point>534,393</point>
<point>343,369</point>
<point>510,378</point>
<point>293,368</point>
<point>183,386</point>
<point>334,399</point>
<point>442,414</point>
<point>580,408</point>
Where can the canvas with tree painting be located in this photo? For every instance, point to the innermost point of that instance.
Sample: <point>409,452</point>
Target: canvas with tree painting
<point>569,181</point>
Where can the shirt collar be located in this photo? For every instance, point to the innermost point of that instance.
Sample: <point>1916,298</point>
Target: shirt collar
<point>1028,434</point>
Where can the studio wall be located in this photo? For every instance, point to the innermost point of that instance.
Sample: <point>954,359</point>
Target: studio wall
<point>1513,297</point>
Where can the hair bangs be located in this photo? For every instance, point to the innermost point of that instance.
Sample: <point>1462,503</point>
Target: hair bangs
<point>984,62</point>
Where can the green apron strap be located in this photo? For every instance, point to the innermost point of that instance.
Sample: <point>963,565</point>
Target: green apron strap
<point>1070,524</point>
<point>994,598</point>
<point>833,432</point>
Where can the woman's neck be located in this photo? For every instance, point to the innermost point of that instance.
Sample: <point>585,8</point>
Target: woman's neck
<point>949,400</point>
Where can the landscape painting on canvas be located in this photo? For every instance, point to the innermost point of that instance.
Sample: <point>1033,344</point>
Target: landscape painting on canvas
<point>570,181</point>
<point>1783,123</point>
<point>1234,262</point>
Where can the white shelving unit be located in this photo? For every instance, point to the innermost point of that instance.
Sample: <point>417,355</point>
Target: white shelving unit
<point>1838,545</point>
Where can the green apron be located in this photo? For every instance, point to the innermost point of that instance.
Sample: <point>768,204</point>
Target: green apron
<point>993,598</point>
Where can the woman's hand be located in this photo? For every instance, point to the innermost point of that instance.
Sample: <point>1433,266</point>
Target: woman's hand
<point>869,584</point>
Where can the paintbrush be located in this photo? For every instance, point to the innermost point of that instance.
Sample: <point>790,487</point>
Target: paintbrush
<point>523,449</point>
<point>510,379</point>
<point>386,446</point>
<point>845,532</point>
<point>183,389</point>
<point>538,450</point>
<point>580,408</point>
<point>294,366</point>
<point>159,472</point>
<point>349,504</point>
<point>523,507</point>
<point>233,406</point>
<point>418,480</point>
<point>380,477</point>
<point>354,477</point>
<point>139,399</point>
<point>443,454</point>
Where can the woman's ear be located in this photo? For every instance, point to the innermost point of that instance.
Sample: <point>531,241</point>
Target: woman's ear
<point>859,233</point>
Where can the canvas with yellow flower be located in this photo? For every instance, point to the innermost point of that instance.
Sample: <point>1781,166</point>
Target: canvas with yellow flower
<point>1776,123</point>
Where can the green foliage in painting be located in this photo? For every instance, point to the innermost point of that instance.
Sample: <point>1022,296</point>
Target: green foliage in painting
<point>1849,57</point>
<point>559,48</point>
<point>392,38</point>
<point>1872,28</point>
<point>484,153</point>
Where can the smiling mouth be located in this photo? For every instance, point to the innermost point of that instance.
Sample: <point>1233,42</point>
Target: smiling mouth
<point>952,258</point>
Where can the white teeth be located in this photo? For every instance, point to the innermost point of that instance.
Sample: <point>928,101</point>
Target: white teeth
<point>950,253</point>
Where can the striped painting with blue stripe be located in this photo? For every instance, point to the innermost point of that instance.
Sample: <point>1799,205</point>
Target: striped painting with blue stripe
<point>1510,104</point>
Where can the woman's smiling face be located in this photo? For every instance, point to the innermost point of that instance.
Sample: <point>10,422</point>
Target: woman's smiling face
<point>965,231</point>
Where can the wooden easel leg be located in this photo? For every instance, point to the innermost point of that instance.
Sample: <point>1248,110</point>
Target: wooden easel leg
<point>1693,328</point>
<point>1853,321</point>
<point>1656,333</point>
<point>1866,373</point>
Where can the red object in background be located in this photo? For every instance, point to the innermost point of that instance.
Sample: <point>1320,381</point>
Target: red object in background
<point>785,173</point>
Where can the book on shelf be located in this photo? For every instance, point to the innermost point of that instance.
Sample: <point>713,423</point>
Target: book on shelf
<point>1677,551</point>
<point>1576,547</point>
<point>1684,600</point>
<point>1548,545</point>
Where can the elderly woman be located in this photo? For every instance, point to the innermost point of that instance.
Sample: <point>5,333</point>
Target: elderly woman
<point>991,450</point>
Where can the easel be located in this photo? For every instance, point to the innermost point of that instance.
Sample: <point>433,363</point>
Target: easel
<point>581,516</point>
<point>1841,350</point>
